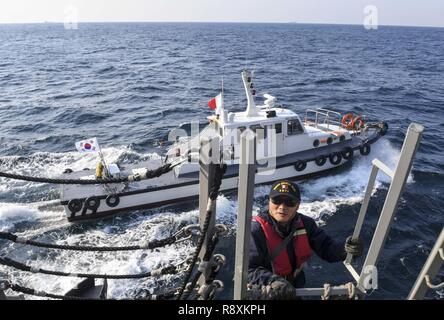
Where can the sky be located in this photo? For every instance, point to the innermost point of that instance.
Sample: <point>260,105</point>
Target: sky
<point>390,12</point>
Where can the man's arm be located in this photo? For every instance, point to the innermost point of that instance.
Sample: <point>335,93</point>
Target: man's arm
<point>324,246</point>
<point>259,267</point>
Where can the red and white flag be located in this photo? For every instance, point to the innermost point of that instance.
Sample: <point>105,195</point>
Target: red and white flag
<point>216,102</point>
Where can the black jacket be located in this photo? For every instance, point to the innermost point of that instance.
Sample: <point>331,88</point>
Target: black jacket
<point>259,269</point>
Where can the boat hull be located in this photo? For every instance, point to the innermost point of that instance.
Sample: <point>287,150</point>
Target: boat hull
<point>171,188</point>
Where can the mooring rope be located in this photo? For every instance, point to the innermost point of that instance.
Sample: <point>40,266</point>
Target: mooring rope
<point>23,267</point>
<point>214,190</point>
<point>202,265</point>
<point>39,293</point>
<point>183,234</point>
<point>150,174</point>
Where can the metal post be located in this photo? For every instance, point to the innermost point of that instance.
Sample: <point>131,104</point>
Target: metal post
<point>247,168</point>
<point>400,175</point>
<point>360,221</point>
<point>431,268</point>
<point>209,149</point>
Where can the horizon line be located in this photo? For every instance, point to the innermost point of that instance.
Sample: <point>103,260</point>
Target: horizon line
<point>215,22</point>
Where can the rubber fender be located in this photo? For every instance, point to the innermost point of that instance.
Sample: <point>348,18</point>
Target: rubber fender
<point>92,203</point>
<point>335,158</point>
<point>321,160</point>
<point>365,149</point>
<point>75,205</point>
<point>112,200</point>
<point>300,165</point>
<point>347,153</point>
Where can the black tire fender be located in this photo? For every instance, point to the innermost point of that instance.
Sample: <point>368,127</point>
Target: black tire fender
<point>300,165</point>
<point>365,149</point>
<point>112,200</point>
<point>335,158</point>
<point>347,153</point>
<point>92,203</point>
<point>321,160</point>
<point>75,205</point>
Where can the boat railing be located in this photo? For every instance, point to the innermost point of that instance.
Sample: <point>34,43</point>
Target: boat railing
<point>323,118</point>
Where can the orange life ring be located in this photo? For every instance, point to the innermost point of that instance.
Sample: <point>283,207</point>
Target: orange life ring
<point>347,121</point>
<point>357,123</point>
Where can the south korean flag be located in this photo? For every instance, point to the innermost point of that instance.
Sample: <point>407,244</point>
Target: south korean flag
<point>88,145</point>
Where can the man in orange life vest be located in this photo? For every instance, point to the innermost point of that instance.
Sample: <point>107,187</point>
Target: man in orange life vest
<point>283,240</point>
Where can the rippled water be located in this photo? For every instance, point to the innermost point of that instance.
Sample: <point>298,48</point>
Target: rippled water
<point>129,84</point>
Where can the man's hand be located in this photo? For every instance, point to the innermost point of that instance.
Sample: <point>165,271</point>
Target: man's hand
<point>280,289</point>
<point>354,247</point>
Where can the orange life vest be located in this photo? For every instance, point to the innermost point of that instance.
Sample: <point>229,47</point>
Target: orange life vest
<point>281,264</point>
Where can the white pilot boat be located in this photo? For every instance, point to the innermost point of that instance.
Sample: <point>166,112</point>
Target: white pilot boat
<point>297,148</point>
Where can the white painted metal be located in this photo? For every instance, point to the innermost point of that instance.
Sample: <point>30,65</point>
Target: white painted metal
<point>245,198</point>
<point>400,175</point>
<point>430,270</point>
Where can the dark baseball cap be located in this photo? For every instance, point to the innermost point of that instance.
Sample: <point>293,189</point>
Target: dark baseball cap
<point>285,188</point>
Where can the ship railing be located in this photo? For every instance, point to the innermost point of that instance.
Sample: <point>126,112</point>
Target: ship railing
<point>398,180</point>
<point>323,118</point>
<point>429,271</point>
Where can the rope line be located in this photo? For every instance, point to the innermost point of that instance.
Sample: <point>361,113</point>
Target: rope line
<point>205,262</point>
<point>33,292</point>
<point>148,245</point>
<point>23,267</point>
<point>213,192</point>
<point>150,174</point>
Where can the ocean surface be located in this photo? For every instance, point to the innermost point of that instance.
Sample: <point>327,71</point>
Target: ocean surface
<point>130,84</point>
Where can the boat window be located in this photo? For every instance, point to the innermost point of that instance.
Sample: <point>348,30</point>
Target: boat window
<point>278,128</point>
<point>294,126</point>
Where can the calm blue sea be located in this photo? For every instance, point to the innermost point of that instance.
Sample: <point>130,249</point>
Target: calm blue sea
<point>130,84</point>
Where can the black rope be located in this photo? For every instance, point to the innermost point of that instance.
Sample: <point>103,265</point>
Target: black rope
<point>196,254</point>
<point>33,292</point>
<point>215,184</point>
<point>23,267</point>
<point>213,192</point>
<point>29,291</point>
<point>150,174</point>
<point>150,245</point>
<point>206,258</point>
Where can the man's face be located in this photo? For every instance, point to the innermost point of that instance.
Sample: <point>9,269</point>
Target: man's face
<point>282,209</point>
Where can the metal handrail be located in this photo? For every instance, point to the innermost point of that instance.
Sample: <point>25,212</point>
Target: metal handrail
<point>327,113</point>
